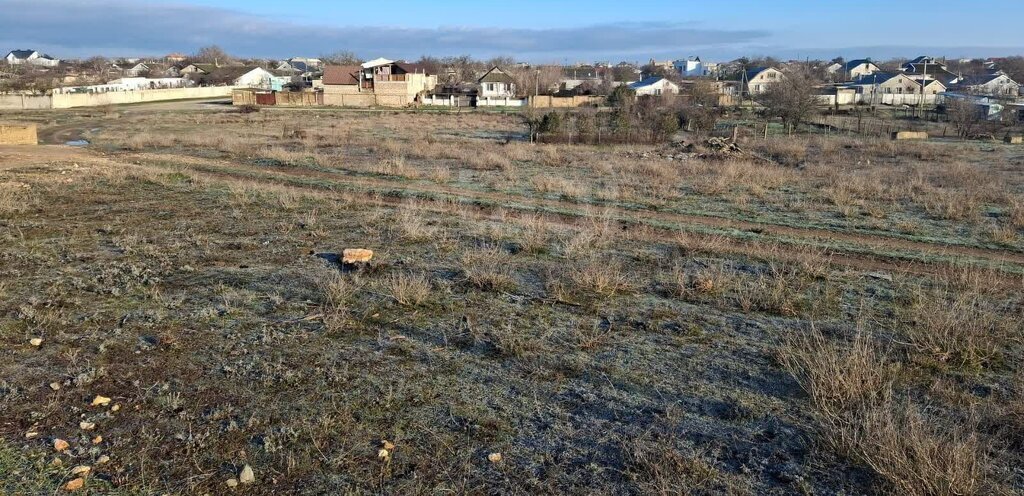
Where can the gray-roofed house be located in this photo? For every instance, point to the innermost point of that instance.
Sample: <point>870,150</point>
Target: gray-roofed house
<point>31,57</point>
<point>997,84</point>
<point>496,83</point>
<point>855,68</point>
<point>759,79</point>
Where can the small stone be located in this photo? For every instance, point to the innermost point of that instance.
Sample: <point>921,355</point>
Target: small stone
<point>37,342</point>
<point>494,457</point>
<point>247,476</point>
<point>97,440</point>
<point>383,454</point>
<point>232,482</point>
<point>880,276</point>
<point>55,386</point>
<point>60,445</point>
<point>31,434</point>
<point>102,459</point>
<point>56,462</point>
<point>100,401</point>
<point>81,470</point>
<point>356,255</point>
<point>115,408</point>
<point>74,484</point>
<point>86,426</point>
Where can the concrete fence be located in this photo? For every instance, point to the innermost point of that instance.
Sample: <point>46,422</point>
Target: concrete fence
<point>547,101</point>
<point>75,100</point>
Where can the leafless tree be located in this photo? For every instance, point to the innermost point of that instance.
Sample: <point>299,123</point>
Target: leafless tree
<point>341,57</point>
<point>792,99</point>
<point>212,54</point>
<point>963,114</point>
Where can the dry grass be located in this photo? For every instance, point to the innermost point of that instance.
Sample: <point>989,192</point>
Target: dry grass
<point>958,329</point>
<point>408,289</point>
<point>850,386</point>
<point>489,268</point>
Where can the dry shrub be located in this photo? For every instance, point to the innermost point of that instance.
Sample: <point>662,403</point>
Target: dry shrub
<point>602,275</point>
<point>489,268</point>
<point>535,233</point>
<point>411,290</point>
<point>396,165</point>
<point>411,224</point>
<point>339,293</point>
<point>1015,213</point>
<point>951,205</point>
<point>594,234</point>
<point>13,197</point>
<point>564,187</point>
<point>658,468</point>
<point>850,388</point>
<point>957,328</point>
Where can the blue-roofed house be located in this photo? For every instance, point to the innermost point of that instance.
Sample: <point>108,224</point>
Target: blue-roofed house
<point>655,86</point>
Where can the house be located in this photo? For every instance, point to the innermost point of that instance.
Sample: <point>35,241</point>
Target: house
<point>655,86</point>
<point>175,58</point>
<point>137,70</point>
<point>997,84</point>
<point>691,67</point>
<point>246,77</point>
<point>198,69</point>
<point>30,57</point>
<point>757,80</point>
<point>301,64</point>
<point>928,67</point>
<point>582,75</point>
<point>496,84</point>
<point>377,82</point>
<point>895,88</point>
<point>854,68</point>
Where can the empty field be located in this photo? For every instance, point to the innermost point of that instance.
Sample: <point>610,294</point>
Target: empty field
<point>812,315</point>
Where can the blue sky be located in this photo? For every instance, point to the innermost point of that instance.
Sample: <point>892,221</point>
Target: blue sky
<point>533,30</point>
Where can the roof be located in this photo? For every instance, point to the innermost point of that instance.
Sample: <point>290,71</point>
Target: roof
<point>204,67</point>
<point>341,74</point>
<point>496,75</point>
<point>412,68</point>
<point>981,79</point>
<point>581,72</point>
<point>753,72</point>
<point>648,81</point>
<point>876,78</point>
<point>22,54</point>
<point>855,63</point>
<point>377,62</point>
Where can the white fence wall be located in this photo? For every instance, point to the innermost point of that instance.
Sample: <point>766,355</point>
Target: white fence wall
<point>74,100</point>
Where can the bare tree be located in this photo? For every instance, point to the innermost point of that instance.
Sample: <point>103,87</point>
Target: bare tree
<point>341,57</point>
<point>963,114</point>
<point>701,115</point>
<point>792,99</point>
<point>536,80</point>
<point>212,54</point>
<point>1013,67</point>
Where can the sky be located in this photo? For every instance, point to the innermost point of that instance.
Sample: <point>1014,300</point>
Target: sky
<point>538,31</point>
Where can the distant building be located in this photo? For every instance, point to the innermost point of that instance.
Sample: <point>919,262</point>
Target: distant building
<point>988,84</point>
<point>174,58</point>
<point>31,57</point>
<point>854,68</point>
<point>380,82</point>
<point>655,86</point>
<point>691,67</point>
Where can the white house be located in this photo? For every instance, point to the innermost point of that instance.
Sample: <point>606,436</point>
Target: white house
<point>691,67</point>
<point>136,70</point>
<point>759,79</point>
<point>496,84</point>
<point>854,69</point>
<point>655,85</point>
<point>988,84</point>
<point>259,77</point>
<point>31,57</point>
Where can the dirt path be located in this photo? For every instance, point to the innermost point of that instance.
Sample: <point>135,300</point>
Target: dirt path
<point>868,242</point>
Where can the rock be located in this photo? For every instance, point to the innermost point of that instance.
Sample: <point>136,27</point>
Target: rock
<point>74,484</point>
<point>100,401</point>
<point>356,255</point>
<point>60,445</point>
<point>102,460</point>
<point>31,434</point>
<point>56,462</point>
<point>494,457</point>
<point>115,408</point>
<point>97,440</point>
<point>232,482</point>
<point>86,426</point>
<point>55,386</point>
<point>81,470</point>
<point>37,342</point>
<point>247,476</point>
<point>383,454</point>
